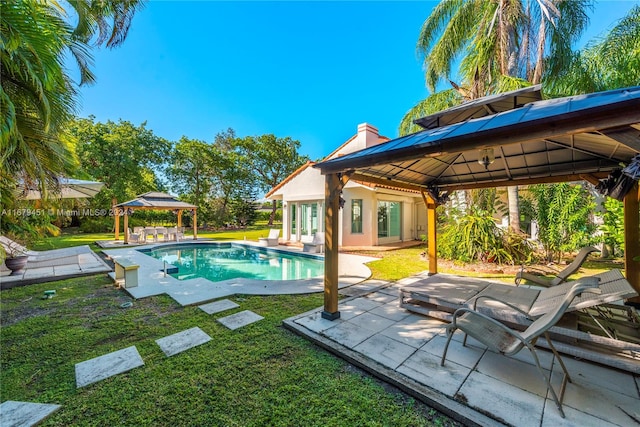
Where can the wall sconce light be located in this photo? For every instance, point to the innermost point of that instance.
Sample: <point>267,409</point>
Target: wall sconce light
<point>486,156</point>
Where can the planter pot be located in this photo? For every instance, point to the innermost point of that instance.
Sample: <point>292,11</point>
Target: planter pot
<point>16,264</point>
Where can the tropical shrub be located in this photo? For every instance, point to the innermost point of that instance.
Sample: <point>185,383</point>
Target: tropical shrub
<point>613,227</point>
<point>563,213</point>
<point>476,237</point>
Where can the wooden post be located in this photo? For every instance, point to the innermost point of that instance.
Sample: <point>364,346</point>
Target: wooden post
<point>180,218</point>
<point>195,225</point>
<point>432,244</point>
<point>632,239</point>
<point>332,188</point>
<point>126,227</point>
<point>116,219</point>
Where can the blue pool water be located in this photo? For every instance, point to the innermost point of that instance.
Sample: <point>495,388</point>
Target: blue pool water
<point>223,261</point>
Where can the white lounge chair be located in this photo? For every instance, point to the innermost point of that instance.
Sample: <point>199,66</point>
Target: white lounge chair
<point>315,245</point>
<point>271,240</point>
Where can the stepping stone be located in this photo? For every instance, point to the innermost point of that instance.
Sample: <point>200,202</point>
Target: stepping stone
<point>106,366</point>
<point>24,414</point>
<point>218,306</point>
<point>239,320</point>
<point>177,343</point>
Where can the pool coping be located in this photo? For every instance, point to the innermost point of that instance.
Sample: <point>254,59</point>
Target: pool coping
<point>152,280</point>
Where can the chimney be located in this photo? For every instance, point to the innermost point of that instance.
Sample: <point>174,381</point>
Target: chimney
<point>368,135</point>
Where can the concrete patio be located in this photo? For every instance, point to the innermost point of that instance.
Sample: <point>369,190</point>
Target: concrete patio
<point>476,386</point>
<point>62,264</point>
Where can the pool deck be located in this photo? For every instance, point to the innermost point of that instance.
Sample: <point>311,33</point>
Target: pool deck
<point>153,281</point>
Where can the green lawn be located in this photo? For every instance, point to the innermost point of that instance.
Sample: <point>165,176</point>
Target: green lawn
<point>74,237</point>
<point>258,375</point>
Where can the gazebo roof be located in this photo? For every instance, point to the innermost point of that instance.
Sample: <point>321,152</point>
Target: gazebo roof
<point>481,107</point>
<point>565,139</point>
<point>156,200</point>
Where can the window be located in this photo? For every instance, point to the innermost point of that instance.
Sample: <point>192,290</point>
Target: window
<point>356,216</point>
<point>294,206</point>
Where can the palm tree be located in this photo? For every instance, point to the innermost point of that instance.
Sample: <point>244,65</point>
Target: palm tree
<point>37,95</point>
<point>610,62</point>
<point>504,45</point>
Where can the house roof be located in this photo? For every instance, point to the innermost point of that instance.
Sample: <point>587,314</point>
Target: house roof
<point>381,139</point>
<point>289,178</point>
<point>564,139</point>
<point>156,200</point>
<point>310,163</point>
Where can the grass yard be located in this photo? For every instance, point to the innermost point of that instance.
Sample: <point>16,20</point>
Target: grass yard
<point>258,375</point>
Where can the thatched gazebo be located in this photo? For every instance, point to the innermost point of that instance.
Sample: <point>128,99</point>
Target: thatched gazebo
<point>152,200</point>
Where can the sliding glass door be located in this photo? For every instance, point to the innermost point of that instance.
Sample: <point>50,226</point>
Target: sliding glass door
<point>389,221</point>
<point>305,219</point>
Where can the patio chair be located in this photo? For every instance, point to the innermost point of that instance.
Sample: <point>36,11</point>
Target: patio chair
<point>151,232</point>
<point>179,233</point>
<point>162,231</point>
<point>506,341</point>
<point>271,240</point>
<point>172,233</point>
<point>560,276</point>
<point>315,245</point>
<point>136,236</point>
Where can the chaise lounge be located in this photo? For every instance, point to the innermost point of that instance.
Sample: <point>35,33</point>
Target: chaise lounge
<point>506,341</point>
<point>560,276</point>
<point>441,295</point>
<point>271,240</point>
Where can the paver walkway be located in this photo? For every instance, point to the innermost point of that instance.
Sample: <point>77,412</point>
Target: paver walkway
<point>240,319</point>
<point>24,414</point>
<point>181,341</point>
<point>218,306</point>
<point>101,367</point>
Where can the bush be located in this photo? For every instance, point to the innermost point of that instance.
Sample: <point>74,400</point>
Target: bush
<point>477,237</point>
<point>97,225</point>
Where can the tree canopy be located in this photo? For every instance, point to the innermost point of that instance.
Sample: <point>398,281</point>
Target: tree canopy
<point>37,95</point>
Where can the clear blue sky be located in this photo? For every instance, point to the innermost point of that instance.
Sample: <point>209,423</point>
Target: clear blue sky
<point>309,70</point>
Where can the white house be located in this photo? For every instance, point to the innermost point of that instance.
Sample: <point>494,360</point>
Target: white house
<point>372,214</point>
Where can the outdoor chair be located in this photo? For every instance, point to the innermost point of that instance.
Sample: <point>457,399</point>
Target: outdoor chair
<point>315,245</point>
<point>161,231</point>
<point>136,237</point>
<point>151,232</point>
<point>504,340</point>
<point>560,276</point>
<point>271,240</point>
<point>172,233</point>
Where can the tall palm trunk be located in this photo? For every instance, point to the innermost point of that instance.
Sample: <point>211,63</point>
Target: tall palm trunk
<point>514,208</point>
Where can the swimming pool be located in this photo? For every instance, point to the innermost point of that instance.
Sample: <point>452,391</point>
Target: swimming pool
<point>223,261</point>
